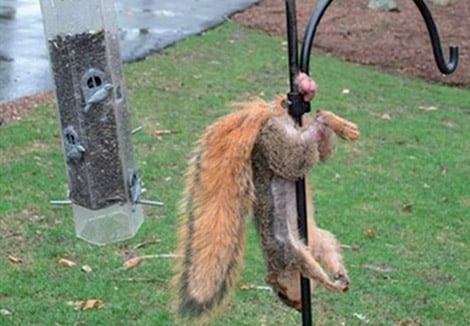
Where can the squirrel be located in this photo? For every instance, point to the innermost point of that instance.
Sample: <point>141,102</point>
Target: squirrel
<point>246,164</point>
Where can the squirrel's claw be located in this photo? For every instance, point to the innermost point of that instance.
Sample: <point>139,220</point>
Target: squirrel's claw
<point>342,278</point>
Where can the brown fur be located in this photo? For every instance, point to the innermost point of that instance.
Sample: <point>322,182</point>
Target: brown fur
<point>281,155</point>
<point>218,199</point>
<point>229,174</point>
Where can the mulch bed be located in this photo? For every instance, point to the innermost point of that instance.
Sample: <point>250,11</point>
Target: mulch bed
<point>396,42</point>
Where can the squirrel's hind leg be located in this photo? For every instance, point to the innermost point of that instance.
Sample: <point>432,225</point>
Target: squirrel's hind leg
<point>294,255</point>
<point>325,248</point>
<point>309,267</point>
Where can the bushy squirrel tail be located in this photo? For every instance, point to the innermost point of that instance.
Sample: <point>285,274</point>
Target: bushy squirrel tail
<point>218,198</point>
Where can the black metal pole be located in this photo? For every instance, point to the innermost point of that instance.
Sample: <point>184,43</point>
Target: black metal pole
<point>292,51</point>
<point>296,110</point>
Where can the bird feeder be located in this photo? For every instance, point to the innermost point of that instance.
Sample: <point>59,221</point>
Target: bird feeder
<point>104,188</point>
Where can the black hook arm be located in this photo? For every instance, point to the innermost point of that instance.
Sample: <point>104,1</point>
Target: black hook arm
<point>310,34</point>
<point>445,68</point>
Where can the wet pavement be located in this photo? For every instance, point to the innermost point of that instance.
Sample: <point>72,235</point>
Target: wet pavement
<point>146,26</point>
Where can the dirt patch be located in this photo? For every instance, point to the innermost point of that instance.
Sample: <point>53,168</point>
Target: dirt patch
<point>397,42</point>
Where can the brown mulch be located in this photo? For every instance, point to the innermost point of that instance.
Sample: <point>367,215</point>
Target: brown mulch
<point>396,42</point>
<point>14,110</point>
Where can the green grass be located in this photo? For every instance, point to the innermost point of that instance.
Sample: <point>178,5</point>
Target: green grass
<point>399,199</point>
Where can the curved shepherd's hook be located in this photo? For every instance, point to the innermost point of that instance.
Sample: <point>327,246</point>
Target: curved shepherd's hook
<point>445,68</point>
<point>297,107</point>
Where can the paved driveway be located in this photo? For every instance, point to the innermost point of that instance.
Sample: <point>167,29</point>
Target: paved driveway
<point>145,26</point>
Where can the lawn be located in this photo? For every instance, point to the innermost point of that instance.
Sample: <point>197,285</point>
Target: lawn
<point>399,200</point>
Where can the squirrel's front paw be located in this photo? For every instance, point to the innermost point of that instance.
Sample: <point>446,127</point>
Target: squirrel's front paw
<point>340,284</point>
<point>342,127</point>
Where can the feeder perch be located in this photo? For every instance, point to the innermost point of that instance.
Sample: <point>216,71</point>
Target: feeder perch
<point>104,188</point>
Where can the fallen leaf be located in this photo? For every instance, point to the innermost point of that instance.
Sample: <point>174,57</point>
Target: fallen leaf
<point>141,279</point>
<point>163,132</point>
<point>170,255</point>
<point>361,317</point>
<point>408,207</point>
<point>444,169</point>
<point>5,312</point>
<point>88,304</point>
<point>86,269</point>
<point>132,262</point>
<point>370,233</point>
<point>245,287</point>
<point>146,243</point>
<point>379,268</point>
<point>66,262</point>
<point>14,260</point>
<point>427,108</point>
<point>136,130</point>
<point>409,321</point>
<point>386,116</point>
<point>426,186</point>
<point>93,303</point>
<point>449,124</point>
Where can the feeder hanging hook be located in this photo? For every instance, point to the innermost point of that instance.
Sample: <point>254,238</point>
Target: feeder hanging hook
<point>443,66</point>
